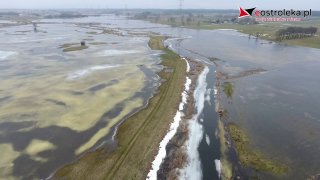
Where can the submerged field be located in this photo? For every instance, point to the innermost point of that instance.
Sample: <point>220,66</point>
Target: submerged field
<point>139,136</point>
<point>57,103</point>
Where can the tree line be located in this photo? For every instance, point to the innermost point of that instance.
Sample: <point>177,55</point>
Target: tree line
<point>295,32</point>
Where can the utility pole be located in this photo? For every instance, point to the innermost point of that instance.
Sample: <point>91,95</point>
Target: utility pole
<point>180,11</point>
<point>180,6</point>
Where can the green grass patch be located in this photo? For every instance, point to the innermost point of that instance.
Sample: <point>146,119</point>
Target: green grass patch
<point>253,158</point>
<point>156,42</point>
<point>139,136</point>
<point>228,89</point>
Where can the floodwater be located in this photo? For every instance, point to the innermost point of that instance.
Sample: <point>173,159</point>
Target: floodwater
<point>277,108</point>
<point>56,105</point>
<point>49,98</point>
<point>275,98</point>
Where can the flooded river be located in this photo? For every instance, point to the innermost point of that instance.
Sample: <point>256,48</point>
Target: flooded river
<point>55,105</point>
<point>278,107</point>
<point>274,98</point>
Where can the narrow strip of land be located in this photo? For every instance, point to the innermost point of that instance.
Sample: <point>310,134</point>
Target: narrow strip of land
<point>139,136</point>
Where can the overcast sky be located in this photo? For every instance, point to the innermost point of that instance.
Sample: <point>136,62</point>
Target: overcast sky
<point>161,4</point>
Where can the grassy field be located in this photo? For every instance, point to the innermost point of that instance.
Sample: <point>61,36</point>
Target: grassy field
<point>267,29</point>
<point>139,136</point>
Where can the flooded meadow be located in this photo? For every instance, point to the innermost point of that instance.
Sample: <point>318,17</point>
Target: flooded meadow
<point>56,104</point>
<point>58,100</point>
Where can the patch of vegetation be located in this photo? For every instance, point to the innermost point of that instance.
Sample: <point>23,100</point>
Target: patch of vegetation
<point>156,42</point>
<point>228,89</point>
<point>72,47</point>
<point>213,59</point>
<point>253,158</point>
<point>92,32</point>
<point>227,167</point>
<point>75,48</point>
<point>112,31</point>
<point>139,136</point>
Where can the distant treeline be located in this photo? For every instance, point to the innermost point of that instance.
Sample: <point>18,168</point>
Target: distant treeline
<point>296,32</point>
<point>65,15</point>
<point>9,14</point>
